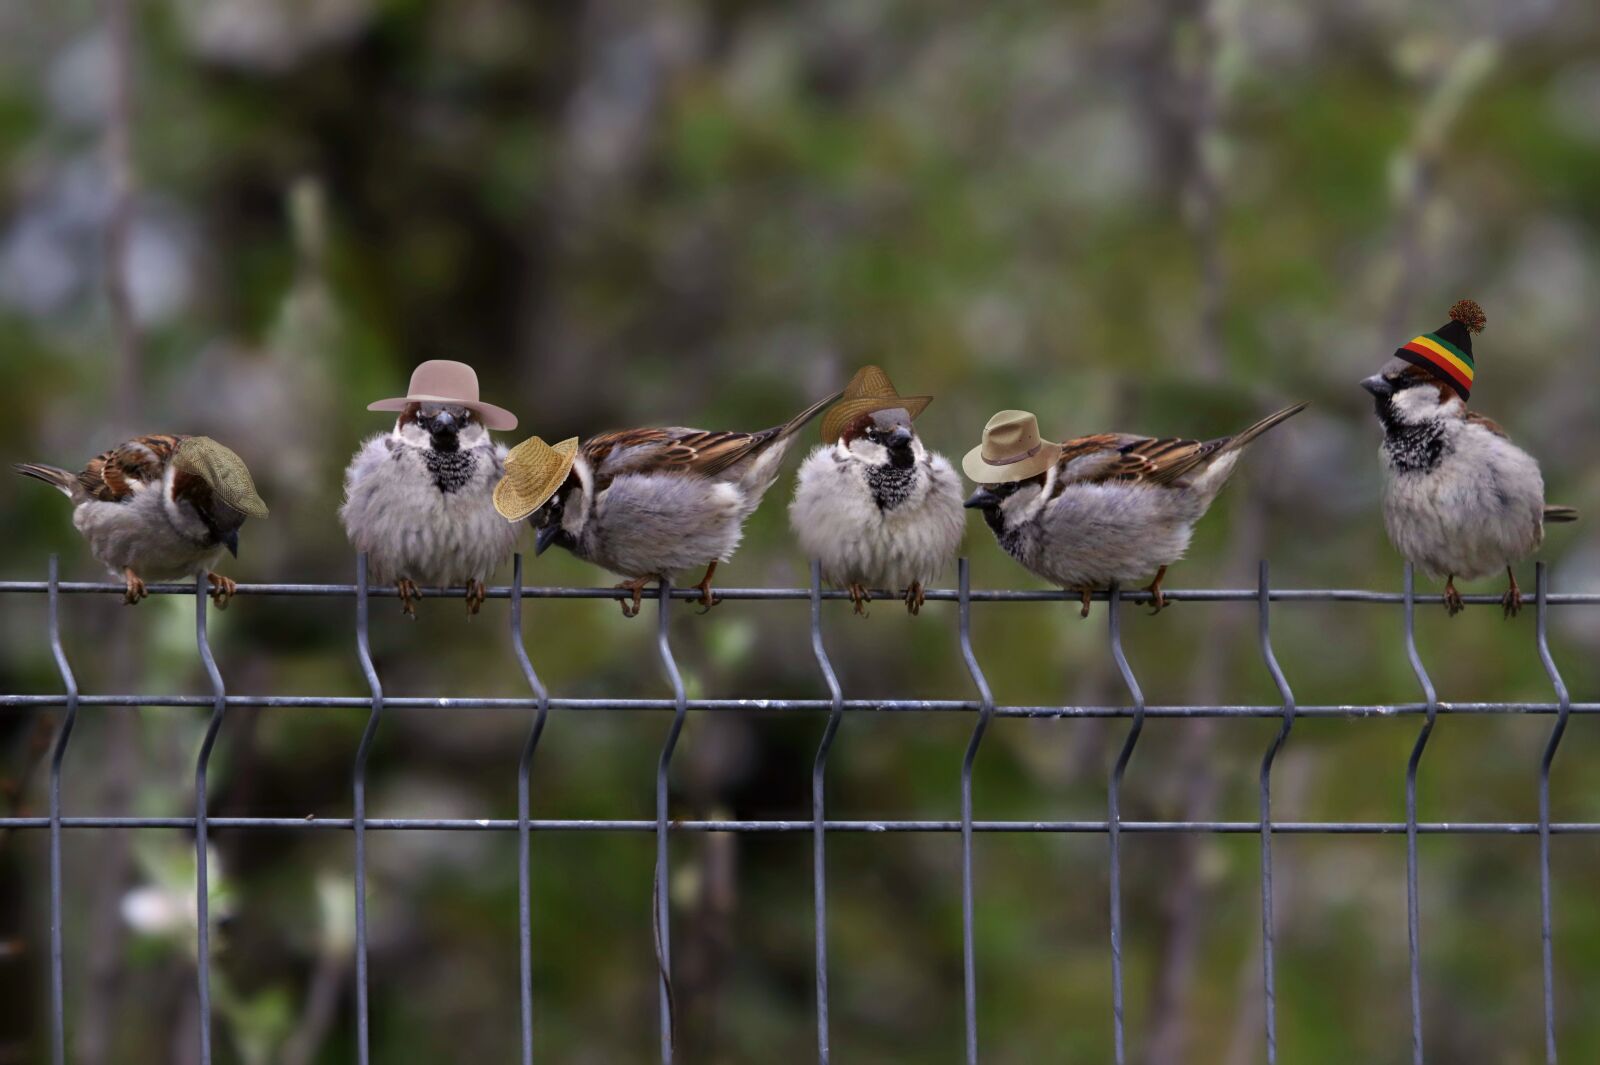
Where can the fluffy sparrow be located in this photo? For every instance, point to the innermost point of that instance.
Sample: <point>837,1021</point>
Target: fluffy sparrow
<point>418,499</point>
<point>645,503</point>
<point>159,507</point>
<point>1460,499</point>
<point>1100,510</point>
<point>872,504</point>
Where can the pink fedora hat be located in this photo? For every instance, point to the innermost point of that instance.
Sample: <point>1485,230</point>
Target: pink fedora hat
<point>444,381</point>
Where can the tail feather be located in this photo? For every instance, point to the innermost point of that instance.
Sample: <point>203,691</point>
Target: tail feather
<point>1554,515</point>
<point>1241,439</point>
<point>59,479</point>
<point>798,422</point>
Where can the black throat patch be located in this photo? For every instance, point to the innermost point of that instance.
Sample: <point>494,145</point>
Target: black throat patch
<point>451,469</point>
<point>891,485</point>
<point>1416,448</point>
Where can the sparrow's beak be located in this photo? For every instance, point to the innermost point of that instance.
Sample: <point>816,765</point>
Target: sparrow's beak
<point>982,499</point>
<point>545,538</point>
<point>900,438</point>
<point>231,540</point>
<point>1379,387</point>
<point>444,422</point>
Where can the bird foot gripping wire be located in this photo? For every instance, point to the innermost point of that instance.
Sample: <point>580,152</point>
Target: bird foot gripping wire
<point>477,593</point>
<point>860,596</point>
<point>637,588</point>
<point>222,589</point>
<point>134,589</point>
<point>915,597</point>
<point>408,596</point>
<point>707,599</point>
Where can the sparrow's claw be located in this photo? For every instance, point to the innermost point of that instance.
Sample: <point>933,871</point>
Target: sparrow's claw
<point>1511,602</point>
<point>408,596</point>
<point>915,597</point>
<point>637,588</point>
<point>1452,598</point>
<point>1158,599</point>
<point>133,587</point>
<point>860,597</point>
<point>477,593</point>
<point>707,598</point>
<point>222,589</point>
<point>1085,593</point>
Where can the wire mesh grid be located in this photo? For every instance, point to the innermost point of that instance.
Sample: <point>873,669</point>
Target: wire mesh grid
<point>983,709</point>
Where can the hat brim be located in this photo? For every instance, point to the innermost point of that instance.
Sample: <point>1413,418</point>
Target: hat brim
<point>981,471</point>
<point>842,413</point>
<point>514,502</point>
<point>493,417</point>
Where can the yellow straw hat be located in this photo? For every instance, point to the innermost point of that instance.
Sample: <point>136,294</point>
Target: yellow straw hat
<point>869,390</point>
<point>534,470</point>
<point>223,470</point>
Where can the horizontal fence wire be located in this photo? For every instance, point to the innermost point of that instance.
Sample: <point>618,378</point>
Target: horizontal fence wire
<point>539,703</point>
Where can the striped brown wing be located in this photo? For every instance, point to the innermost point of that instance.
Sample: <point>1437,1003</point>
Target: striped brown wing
<point>1138,459</point>
<point>670,450</point>
<point>112,475</point>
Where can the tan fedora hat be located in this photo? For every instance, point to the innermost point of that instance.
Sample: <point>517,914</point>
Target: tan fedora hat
<point>869,390</point>
<point>534,470</point>
<point>223,470</point>
<point>1012,450</point>
<point>445,381</point>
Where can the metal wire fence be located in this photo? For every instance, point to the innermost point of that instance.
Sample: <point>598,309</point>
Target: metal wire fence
<point>983,710</point>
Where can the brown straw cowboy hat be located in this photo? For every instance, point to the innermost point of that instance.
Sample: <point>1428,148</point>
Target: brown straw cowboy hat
<point>534,470</point>
<point>869,390</point>
<point>444,381</point>
<point>1012,450</point>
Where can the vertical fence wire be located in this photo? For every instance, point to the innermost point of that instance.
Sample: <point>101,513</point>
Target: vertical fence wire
<point>1269,984</point>
<point>58,1008</point>
<point>524,772</point>
<point>661,888</point>
<point>819,870</point>
<point>1114,821</point>
<point>202,879</point>
<point>1413,901</point>
<point>358,787</point>
<point>1547,947</point>
<point>969,950</point>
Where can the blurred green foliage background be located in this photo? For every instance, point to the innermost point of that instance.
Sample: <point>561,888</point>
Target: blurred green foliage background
<point>1164,216</point>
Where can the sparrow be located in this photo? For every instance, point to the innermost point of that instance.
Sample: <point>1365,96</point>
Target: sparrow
<point>159,507</point>
<point>645,503</point>
<point>1112,508</point>
<point>418,501</point>
<point>1460,499</point>
<point>873,505</point>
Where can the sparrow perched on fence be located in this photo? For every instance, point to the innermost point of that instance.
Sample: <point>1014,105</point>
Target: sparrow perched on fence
<point>1460,499</point>
<point>873,505</point>
<point>419,498</point>
<point>645,503</point>
<point>160,507</point>
<point>1099,510</point>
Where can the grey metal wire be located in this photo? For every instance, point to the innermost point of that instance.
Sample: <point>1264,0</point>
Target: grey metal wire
<point>524,772</point>
<point>358,787</point>
<point>1547,946</point>
<point>58,1015</point>
<point>663,880</point>
<point>819,846</point>
<point>1114,821</point>
<point>1269,986</point>
<point>1413,901</point>
<point>202,887</point>
<point>969,949</point>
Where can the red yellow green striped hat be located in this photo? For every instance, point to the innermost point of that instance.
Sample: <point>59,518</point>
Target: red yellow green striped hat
<point>1447,351</point>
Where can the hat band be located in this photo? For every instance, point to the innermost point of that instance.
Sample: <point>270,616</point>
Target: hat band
<point>1432,352</point>
<point>1028,454</point>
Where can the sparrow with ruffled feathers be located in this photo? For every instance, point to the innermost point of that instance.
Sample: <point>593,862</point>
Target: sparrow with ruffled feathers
<point>1100,510</point>
<point>874,506</point>
<point>646,503</point>
<point>159,507</point>
<point>1460,499</point>
<point>419,498</point>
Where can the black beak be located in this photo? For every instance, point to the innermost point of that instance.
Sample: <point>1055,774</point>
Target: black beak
<point>231,540</point>
<point>900,438</point>
<point>982,499</point>
<point>444,422</point>
<point>545,538</point>
<point>1379,387</point>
